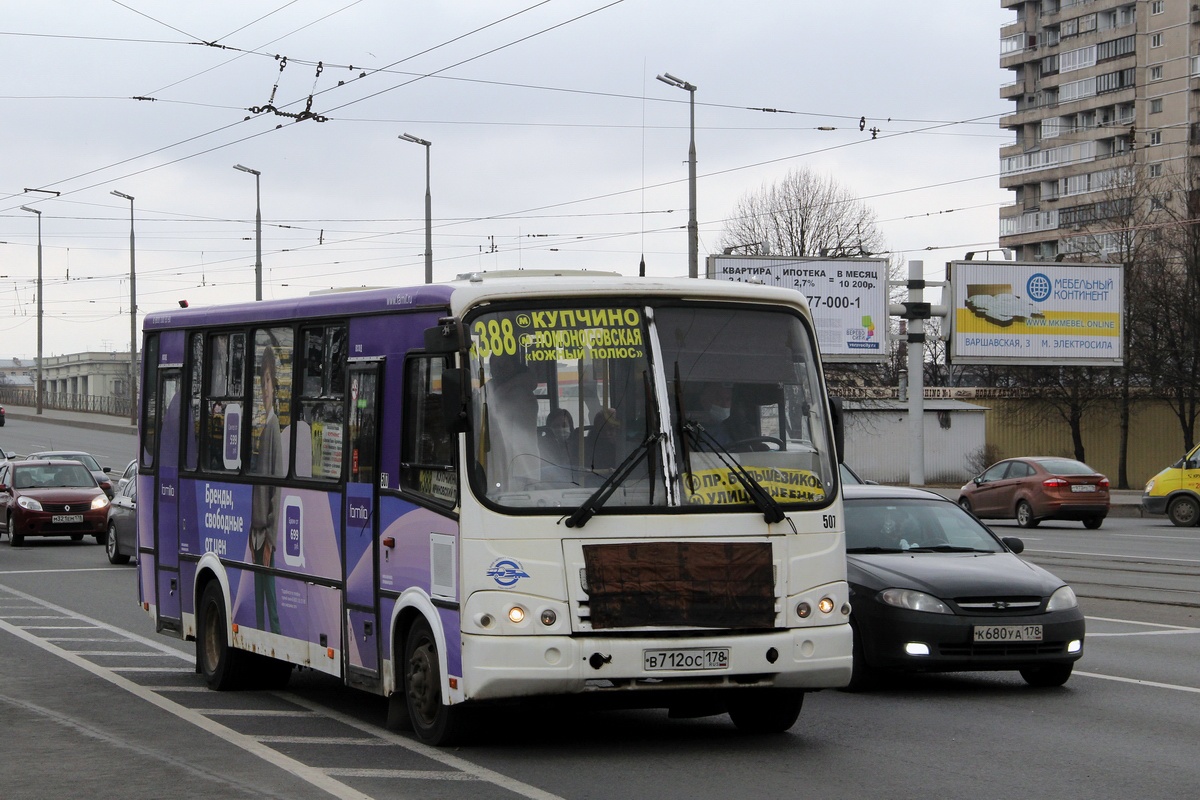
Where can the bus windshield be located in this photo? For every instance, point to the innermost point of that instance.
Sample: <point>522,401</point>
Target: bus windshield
<point>688,403</point>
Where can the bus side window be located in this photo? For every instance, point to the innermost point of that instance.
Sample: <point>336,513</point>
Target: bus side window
<point>320,425</point>
<point>149,402</point>
<point>222,406</point>
<point>191,430</point>
<point>427,453</point>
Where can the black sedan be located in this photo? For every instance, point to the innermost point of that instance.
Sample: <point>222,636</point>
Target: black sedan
<point>934,590</point>
<point>121,541</point>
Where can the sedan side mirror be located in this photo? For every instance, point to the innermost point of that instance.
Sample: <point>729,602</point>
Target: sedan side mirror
<point>1015,544</point>
<point>977,480</point>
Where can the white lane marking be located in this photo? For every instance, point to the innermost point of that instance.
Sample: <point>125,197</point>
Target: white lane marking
<point>1140,682</point>
<point>45,571</point>
<point>253,712</point>
<point>87,730</point>
<point>407,774</point>
<point>127,653</point>
<point>1142,633</point>
<point>82,639</point>
<point>452,761</point>
<point>1133,559</point>
<point>482,773</point>
<point>1165,629</point>
<point>304,772</point>
<point>1146,624</point>
<point>357,741</point>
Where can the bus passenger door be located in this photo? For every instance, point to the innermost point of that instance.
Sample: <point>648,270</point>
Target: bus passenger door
<point>166,502</point>
<point>360,528</point>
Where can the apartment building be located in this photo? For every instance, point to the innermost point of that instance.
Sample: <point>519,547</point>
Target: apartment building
<point>1105,94</point>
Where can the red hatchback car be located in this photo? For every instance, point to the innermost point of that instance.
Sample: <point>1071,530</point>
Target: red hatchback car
<point>1030,490</point>
<point>51,498</point>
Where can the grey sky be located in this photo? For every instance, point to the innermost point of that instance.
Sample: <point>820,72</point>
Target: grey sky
<point>553,144</point>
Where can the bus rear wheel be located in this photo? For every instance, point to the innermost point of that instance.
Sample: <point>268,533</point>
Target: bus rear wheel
<point>765,711</point>
<point>433,720</point>
<point>222,666</point>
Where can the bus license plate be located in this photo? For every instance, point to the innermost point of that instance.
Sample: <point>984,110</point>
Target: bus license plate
<point>1008,633</point>
<point>690,659</point>
<point>63,519</point>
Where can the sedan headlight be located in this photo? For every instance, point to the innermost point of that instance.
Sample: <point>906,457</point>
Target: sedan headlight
<point>1062,599</point>
<point>29,503</point>
<point>914,601</point>
<point>99,501</point>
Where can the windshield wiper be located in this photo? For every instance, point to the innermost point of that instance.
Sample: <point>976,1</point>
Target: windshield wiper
<point>598,498</point>
<point>946,548</point>
<point>875,550</point>
<point>770,508</point>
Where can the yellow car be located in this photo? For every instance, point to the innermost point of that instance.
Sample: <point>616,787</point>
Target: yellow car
<point>1176,491</point>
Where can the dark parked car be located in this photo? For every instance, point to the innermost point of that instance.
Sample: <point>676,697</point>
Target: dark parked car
<point>932,589</point>
<point>51,498</point>
<point>87,459</point>
<point>1030,490</point>
<point>121,540</point>
<point>1,416</point>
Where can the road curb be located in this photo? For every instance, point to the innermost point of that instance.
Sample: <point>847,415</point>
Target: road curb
<point>108,427</point>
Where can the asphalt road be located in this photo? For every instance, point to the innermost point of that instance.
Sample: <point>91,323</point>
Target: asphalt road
<point>95,704</point>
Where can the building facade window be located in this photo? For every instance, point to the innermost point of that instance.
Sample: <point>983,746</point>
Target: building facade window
<point>1157,7</point>
<point>1156,73</point>
<point>1155,138</point>
<point>1156,40</point>
<point>1156,170</point>
<point>1156,105</point>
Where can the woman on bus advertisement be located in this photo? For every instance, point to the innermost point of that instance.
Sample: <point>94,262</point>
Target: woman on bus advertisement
<point>267,460</point>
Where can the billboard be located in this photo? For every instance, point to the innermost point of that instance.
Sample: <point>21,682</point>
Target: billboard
<point>847,297</point>
<point>1038,313</point>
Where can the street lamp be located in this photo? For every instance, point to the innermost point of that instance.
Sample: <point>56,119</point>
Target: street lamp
<point>257,230</point>
<point>133,365</point>
<point>38,391</point>
<point>693,228</point>
<point>408,137</point>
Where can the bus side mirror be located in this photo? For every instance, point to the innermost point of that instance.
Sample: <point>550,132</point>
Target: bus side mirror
<point>454,401</point>
<point>445,337</point>
<point>838,417</point>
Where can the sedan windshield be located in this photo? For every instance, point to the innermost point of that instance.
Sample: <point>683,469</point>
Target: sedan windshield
<point>53,476</point>
<point>718,407</point>
<point>894,525</point>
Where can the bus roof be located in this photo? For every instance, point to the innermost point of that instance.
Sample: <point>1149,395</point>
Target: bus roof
<point>465,292</point>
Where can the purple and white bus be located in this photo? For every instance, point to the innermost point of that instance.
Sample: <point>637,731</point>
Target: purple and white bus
<point>506,486</point>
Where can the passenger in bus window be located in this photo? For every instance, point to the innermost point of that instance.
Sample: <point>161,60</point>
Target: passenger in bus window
<point>559,446</point>
<point>714,410</point>
<point>515,460</point>
<point>603,440</point>
<point>268,460</point>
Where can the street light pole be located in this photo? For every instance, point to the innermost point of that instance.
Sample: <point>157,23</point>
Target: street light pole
<point>38,390</point>
<point>408,137</point>
<point>133,364</point>
<point>257,230</point>
<point>693,226</point>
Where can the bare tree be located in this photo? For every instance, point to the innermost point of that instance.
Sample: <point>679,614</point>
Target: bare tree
<point>806,214</point>
<point>803,214</point>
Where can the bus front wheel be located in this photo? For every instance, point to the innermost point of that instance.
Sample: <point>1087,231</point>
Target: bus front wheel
<point>221,665</point>
<point>433,720</point>
<point>765,711</point>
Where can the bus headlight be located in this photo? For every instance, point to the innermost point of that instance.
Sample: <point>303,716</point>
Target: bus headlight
<point>516,614</point>
<point>548,617</point>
